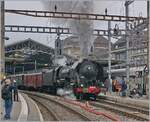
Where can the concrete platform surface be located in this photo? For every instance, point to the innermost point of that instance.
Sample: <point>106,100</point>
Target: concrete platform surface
<point>127,100</point>
<point>24,110</point>
<point>34,113</point>
<point>16,109</point>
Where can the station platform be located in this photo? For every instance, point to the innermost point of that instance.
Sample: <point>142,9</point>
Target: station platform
<point>139,102</point>
<point>24,110</point>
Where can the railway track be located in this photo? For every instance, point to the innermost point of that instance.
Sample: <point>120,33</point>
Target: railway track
<point>136,113</point>
<point>57,110</point>
<point>46,111</point>
<point>130,107</point>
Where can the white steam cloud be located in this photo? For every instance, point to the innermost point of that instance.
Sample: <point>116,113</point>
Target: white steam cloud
<point>83,28</point>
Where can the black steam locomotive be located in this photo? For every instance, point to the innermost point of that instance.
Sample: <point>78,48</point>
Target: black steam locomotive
<point>91,78</point>
<point>85,77</point>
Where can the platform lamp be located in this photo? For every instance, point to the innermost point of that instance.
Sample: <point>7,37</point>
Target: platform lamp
<point>111,34</point>
<point>6,38</point>
<point>35,65</point>
<point>2,74</point>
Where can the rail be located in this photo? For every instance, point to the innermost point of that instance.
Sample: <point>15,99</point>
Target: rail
<point>41,98</point>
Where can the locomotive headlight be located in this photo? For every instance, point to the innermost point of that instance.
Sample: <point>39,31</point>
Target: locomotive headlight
<point>71,84</point>
<point>89,68</point>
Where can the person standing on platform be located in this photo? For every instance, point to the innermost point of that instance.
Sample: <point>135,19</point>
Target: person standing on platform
<point>124,87</point>
<point>15,91</point>
<point>107,84</point>
<point>7,97</point>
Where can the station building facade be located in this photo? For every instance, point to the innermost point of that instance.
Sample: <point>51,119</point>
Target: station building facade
<point>99,49</point>
<point>137,58</point>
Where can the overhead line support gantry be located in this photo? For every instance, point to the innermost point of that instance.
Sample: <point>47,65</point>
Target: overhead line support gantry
<point>69,15</point>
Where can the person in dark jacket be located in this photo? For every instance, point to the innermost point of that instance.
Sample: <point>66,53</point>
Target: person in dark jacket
<point>7,97</point>
<point>124,87</point>
<point>15,90</point>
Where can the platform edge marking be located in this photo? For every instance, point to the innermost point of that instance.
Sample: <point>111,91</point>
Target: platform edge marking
<point>24,109</point>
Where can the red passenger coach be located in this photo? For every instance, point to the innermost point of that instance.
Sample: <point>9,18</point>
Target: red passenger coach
<point>33,81</point>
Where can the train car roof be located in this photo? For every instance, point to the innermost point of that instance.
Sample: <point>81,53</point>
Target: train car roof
<point>37,73</point>
<point>15,75</point>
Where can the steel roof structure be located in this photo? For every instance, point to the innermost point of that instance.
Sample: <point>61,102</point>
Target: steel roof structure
<point>24,55</point>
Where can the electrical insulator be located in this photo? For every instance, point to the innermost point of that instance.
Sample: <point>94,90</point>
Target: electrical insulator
<point>116,30</point>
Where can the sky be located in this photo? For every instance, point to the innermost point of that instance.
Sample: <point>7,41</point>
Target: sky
<point>137,8</point>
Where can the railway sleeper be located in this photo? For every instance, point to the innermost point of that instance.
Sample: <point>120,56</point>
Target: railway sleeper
<point>139,109</point>
<point>56,117</point>
<point>138,116</point>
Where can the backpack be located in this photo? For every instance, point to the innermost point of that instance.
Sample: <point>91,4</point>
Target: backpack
<point>6,92</point>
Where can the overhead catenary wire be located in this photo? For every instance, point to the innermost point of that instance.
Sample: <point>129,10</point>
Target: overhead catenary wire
<point>74,6</point>
<point>66,20</point>
<point>49,22</point>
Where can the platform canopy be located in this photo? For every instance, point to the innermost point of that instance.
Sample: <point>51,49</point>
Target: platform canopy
<point>27,55</point>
